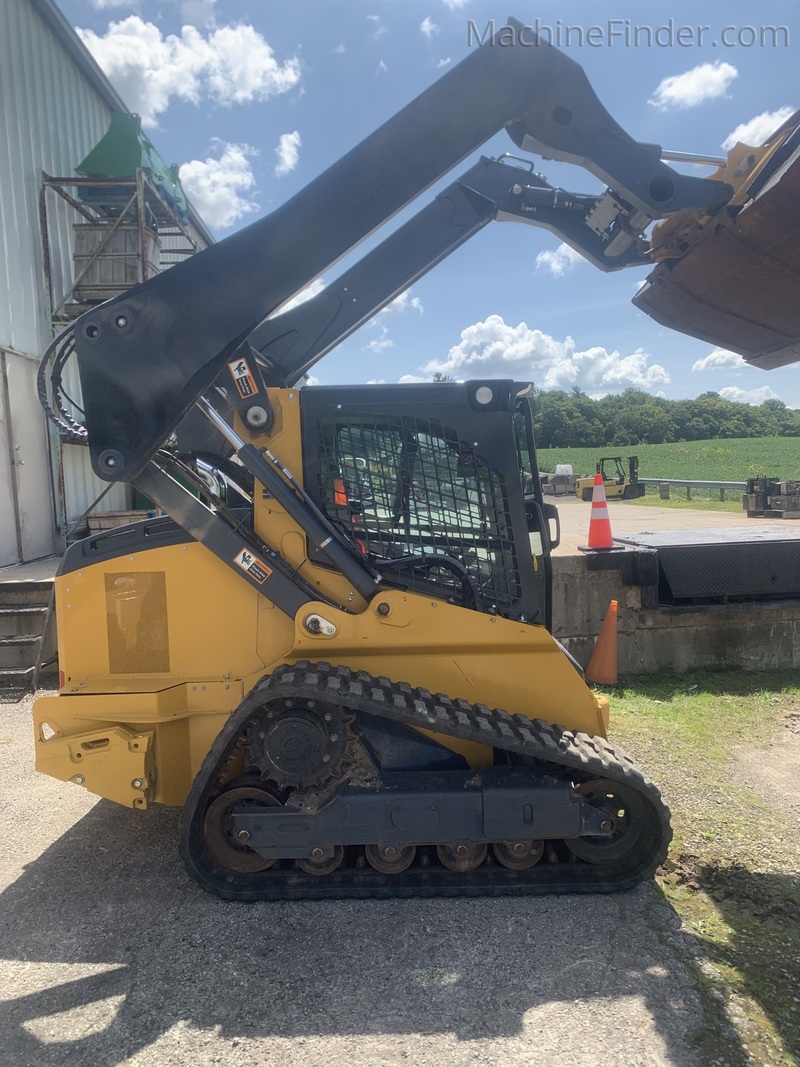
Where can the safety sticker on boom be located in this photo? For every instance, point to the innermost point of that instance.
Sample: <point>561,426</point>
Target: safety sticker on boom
<point>255,567</point>
<point>243,377</point>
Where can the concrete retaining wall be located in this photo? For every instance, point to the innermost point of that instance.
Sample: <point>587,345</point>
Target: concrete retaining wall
<point>762,635</point>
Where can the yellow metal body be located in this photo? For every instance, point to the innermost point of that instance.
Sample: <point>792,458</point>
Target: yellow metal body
<point>613,488</point>
<point>157,649</point>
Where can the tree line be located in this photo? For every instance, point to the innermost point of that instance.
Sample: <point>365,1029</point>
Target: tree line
<point>574,420</point>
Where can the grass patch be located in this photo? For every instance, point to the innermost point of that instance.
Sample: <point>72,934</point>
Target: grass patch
<point>733,873</point>
<point>729,460</point>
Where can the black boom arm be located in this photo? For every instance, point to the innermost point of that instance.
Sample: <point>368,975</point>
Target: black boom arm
<point>145,357</point>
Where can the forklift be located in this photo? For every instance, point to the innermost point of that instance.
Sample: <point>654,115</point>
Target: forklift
<point>620,484</point>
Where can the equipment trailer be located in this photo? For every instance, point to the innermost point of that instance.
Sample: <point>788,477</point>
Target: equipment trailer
<point>334,654</point>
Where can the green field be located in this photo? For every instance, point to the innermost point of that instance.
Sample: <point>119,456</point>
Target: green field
<point>728,460</point>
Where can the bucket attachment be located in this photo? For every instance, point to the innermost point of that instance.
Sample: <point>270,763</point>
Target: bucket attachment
<point>732,278</point>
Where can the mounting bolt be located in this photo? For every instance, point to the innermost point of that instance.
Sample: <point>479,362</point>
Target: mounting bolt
<point>317,854</point>
<point>389,853</point>
<point>121,321</point>
<point>110,459</point>
<point>383,608</point>
<point>462,851</point>
<point>256,416</point>
<point>243,836</point>
<point>518,849</point>
<point>137,783</point>
<point>79,779</point>
<point>326,758</point>
<point>606,826</point>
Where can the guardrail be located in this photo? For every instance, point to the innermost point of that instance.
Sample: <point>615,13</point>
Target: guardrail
<point>690,485</point>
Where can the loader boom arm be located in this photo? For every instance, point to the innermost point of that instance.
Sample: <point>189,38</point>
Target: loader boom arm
<point>291,342</point>
<point>145,357</point>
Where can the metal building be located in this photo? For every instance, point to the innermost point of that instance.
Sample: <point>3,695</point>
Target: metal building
<point>55,106</point>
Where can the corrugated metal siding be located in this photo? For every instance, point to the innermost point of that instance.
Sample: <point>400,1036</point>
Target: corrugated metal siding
<point>51,115</point>
<point>49,119</point>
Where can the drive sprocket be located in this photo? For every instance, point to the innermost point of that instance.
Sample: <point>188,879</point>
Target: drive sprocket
<point>297,744</point>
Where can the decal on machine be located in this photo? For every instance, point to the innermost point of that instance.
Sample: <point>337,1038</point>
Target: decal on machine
<point>243,377</point>
<point>255,567</point>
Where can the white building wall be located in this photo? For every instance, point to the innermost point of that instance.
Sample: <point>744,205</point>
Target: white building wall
<point>52,113</point>
<point>50,117</point>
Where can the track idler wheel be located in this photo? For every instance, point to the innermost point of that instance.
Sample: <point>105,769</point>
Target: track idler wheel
<point>390,860</point>
<point>320,864</point>
<point>626,819</point>
<point>226,850</point>
<point>461,858</point>
<point>518,855</point>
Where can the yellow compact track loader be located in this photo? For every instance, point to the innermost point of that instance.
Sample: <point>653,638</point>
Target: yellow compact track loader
<point>332,649</point>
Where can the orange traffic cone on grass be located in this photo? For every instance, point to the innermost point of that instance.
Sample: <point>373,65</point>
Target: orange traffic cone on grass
<point>602,666</point>
<point>599,523</point>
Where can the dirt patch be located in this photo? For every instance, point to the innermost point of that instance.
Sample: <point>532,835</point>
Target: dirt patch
<point>773,772</point>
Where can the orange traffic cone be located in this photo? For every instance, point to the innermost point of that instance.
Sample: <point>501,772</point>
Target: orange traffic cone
<point>602,666</point>
<point>599,524</point>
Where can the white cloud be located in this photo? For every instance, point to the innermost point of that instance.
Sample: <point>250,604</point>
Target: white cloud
<point>379,344</point>
<point>748,396</point>
<point>493,349</point>
<point>230,65</point>
<point>218,185</point>
<point>103,5</point>
<point>757,129</point>
<point>403,302</point>
<point>455,5</point>
<point>411,379</point>
<point>559,262</point>
<point>288,153</point>
<point>704,82</point>
<point>381,68</point>
<point>379,27</point>
<point>428,27</point>
<point>719,359</point>
<point>376,381</point>
<point>340,49</point>
<point>444,62</point>
<point>314,289</point>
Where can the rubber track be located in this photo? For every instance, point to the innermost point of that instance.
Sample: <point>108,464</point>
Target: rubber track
<point>589,756</point>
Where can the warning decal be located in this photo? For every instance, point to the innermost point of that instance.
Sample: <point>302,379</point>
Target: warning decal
<point>242,375</point>
<point>250,562</point>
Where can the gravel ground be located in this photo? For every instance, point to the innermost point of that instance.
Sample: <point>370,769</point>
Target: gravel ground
<point>110,955</point>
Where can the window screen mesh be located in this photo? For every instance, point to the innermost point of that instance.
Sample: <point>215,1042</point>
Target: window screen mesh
<point>403,487</point>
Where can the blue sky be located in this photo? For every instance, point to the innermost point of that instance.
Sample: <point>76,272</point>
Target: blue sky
<point>255,98</point>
